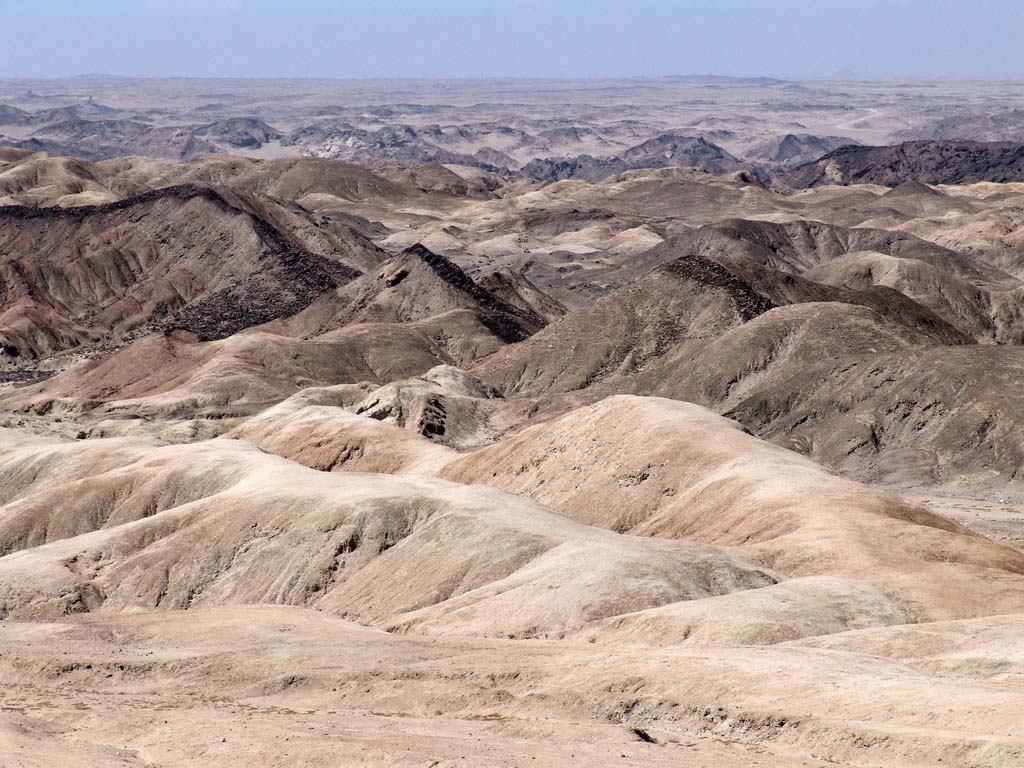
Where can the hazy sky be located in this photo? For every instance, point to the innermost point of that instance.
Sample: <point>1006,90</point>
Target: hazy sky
<point>529,38</point>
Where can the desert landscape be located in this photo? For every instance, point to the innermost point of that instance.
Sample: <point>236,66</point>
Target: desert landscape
<point>664,422</point>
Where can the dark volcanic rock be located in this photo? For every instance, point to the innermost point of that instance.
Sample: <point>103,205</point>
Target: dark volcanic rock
<point>794,150</point>
<point>664,151</point>
<point>13,116</point>
<point>930,162</point>
<point>239,132</point>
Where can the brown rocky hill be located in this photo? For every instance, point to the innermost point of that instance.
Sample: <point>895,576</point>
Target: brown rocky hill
<point>37,178</point>
<point>973,296</point>
<point>792,361</point>
<point>414,285</point>
<point>213,262</point>
<point>682,304</point>
<point>415,311</point>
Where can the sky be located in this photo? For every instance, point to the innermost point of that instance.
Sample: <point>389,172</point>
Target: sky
<point>511,38</point>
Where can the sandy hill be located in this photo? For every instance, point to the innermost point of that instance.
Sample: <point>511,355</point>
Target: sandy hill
<point>516,289</point>
<point>703,503</point>
<point>702,478</point>
<point>447,406</point>
<point>738,564</point>
<point>39,178</point>
<point>313,181</point>
<point>983,314</point>
<point>415,311</point>
<point>174,375</point>
<point>27,178</point>
<point>797,246</point>
<point>360,546</point>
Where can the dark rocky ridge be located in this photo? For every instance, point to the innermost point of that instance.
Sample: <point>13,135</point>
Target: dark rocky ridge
<point>748,301</point>
<point>292,283</point>
<point>667,150</point>
<point>510,323</point>
<point>111,136</point>
<point>931,162</point>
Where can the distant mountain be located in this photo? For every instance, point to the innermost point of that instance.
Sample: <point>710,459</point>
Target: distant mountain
<point>793,150</point>
<point>74,112</point>
<point>239,132</point>
<point>726,80</point>
<point>1001,126</point>
<point>930,162</point>
<point>13,116</point>
<point>681,150</point>
<point>403,144</point>
<point>667,150</point>
<point>109,138</point>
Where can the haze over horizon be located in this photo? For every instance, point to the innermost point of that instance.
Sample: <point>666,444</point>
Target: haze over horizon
<point>522,38</point>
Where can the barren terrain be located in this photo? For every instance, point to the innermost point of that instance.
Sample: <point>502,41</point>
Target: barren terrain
<point>363,427</point>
